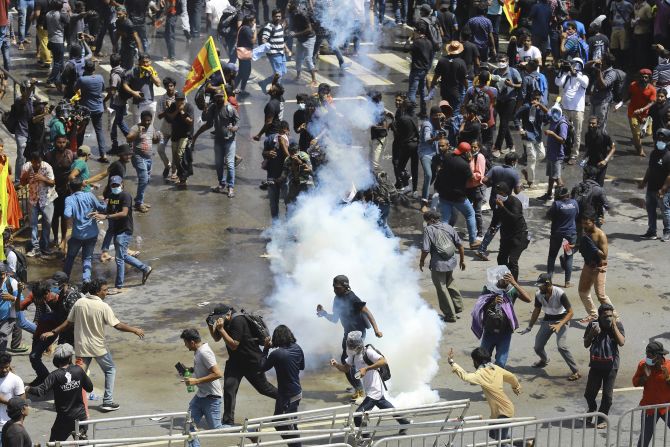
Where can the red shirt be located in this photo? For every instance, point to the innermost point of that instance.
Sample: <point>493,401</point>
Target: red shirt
<point>4,16</point>
<point>656,389</point>
<point>640,97</point>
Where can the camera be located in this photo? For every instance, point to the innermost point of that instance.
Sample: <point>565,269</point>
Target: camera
<point>211,318</point>
<point>565,65</point>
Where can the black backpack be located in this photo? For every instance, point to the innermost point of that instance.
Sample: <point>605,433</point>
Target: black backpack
<point>569,142</point>
<point>227,20</point>
<point>495,320</point>
<point>384,371</point>
<point>482,102</point>
<point>432,31</point>
<point>259,330</point>
<point>582,194</point>
<point>21,264</point>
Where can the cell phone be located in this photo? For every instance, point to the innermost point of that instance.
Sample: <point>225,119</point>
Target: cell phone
<point>181,369</point>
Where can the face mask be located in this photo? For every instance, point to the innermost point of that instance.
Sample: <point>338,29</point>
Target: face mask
<point>649,362</point>
<point>662,60</point>
<point>502,65</point>
<point>660,145</point>
<point>117,190</point>
<point>499,197</point>
<point>301,106</point>
<point>351,352</point>
<point>54,290</point>
<point>555,118</point>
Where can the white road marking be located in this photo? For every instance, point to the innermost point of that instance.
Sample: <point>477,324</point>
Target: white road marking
<point>307,77</point>
<point>366,76</point>
<point>622,390</point>
<point>391,60</point>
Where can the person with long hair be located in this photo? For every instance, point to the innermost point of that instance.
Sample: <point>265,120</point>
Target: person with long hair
<point>246,37</point>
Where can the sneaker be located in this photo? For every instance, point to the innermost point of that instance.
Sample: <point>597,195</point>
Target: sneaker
<point>141,208</point>
<point>601,425</point>
<point>20,349</point>
<point>231,192</point>
<point>110,406</point>
<point>649,235</point>
<point>665,237</point>
<point>575,376</point>
<point>166,172</point>
<point>345,65</point>
<point>358,394</point>
<point>35,252</point>
<point>146,274</point>
<point>481,255</point>
<point>238,160</point>
<point>540,364</point>
<point>218,188</point>
<point>475,244</point>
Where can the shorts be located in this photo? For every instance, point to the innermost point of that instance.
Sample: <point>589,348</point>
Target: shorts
<point>619,39</point>
<point>553,170</point>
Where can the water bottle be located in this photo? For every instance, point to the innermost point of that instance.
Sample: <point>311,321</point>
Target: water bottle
<point>567,248</point>
<point>92,396</point>
<point>189,388</point>
<point>138,242</point>
<point>582,163</point>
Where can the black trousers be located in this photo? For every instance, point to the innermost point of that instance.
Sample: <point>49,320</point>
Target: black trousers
<point>401,155</point>
<point>232,376</point>
<point>63,428</point>
<point>505,111</point>
<point>510,252</point>
<point>283,405</point>
<point>596,379</point>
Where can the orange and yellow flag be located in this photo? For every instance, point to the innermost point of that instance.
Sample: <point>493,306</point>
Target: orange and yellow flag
<point>206,62</point>
<point>512,17</point>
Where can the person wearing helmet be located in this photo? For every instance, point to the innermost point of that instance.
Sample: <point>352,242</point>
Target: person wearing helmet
<point>573,84</point>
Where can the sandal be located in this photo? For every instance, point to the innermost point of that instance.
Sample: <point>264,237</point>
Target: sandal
<point>540,364</point>
<point>575,376</point>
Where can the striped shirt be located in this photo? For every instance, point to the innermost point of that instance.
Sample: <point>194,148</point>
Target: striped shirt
<point>274,35</point>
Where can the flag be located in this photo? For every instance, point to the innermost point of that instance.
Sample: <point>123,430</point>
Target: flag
<point>4,204</point>
<point>512,17</point>
<point>206,62</point>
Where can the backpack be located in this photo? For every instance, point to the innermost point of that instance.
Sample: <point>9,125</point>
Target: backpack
<point>227,21</point>
<point>200,97</point>
<point>73,295</point>
<point>123,94</point>
<point>482,102</point>
<point>384,371</point>
<point>259,330</point>
<point>383,191</point>
<point>433,33</point>
<point>582,194</point>
<point>10,119</point>
<point>569,142</point>
<point>21,274</point>
<point>495,320</point>
<point>444,245</point>
<point>538,82</point>
<point>601,352</point>
<point>618,85</point>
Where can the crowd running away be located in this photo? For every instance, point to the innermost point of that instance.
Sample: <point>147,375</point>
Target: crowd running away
<point>497,129</point>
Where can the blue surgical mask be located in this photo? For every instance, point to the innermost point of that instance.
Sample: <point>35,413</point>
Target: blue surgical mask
<point>117,190</point>
<point>301,106</point>
<point>555,117</point>
<point>54,290</point>
<point>660,145</point>
<point>649,362</point>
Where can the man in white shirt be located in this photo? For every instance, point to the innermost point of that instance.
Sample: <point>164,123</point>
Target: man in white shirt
<point>573,84</point>
<point>89,316</point>
<point>213,10</point>
<point>527,52</point>
<point>367,362</point>
<point>11,386</point>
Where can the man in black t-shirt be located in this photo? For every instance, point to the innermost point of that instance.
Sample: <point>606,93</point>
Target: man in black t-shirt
<point>137,13</point>
<point>273,111</point>
<point>599,149</point>
<point>244,359</point>
<point>354,315</point>
<point>120,214</point>
<point>181,115</point>
<point>130,40</point>
<point>451,72</point>
<point>66,382</point>
<point>14,433</point>
<point>657,180</point>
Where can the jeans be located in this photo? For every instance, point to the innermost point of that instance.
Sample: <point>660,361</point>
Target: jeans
<point>500,342</point>
<point>598,377</point>
<point>170,38</point>
<point>143,167</point>
<point>369,403</point>
<point>476,197</point>
<point>278,64</point>
<point>4,45</point>
<point>120,112</point>
<point>121,242</point>
<point>448,296</point>
<point>231,44</point>
<point>380,5</point>
<point>57,54</point>
<point>47,212</point>
<point>404,153</point>
<point>304,52</point>
<point>601,111</point>
<point>648,425</point>
<point>106,26</point>
<point>542,337</point>
<point>20,157</point>
<point>96,120</point>
<point>502,433</point>
<point>195,9</point>
<point>127,56</point>
<point>400,10</point>
<point>426,164</point>
<point>86,246</point>
<point>510,251</point>
<point>555,244</point>
<point>26,8</point>
<point>274,194</point>
<point>593,277</point>
<point>141,30</point>
<point>495,21</point>
<point>417,84</point>
<point>243,75</point>
<point>384,211</point>
<point>285,406</point>
<point>224,159</point>
<point>106,363</point>
<point>208,407</point>
<point>652,202</point>
<point>335,49</point>
<point>232,376</point>
<point>466,209</point>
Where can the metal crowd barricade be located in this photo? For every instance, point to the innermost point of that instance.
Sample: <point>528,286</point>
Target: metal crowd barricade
<point>567,431</point>
<point>124,423</point>
<point>632,426</point>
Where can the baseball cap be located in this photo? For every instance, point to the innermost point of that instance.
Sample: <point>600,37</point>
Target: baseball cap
<point>663,133</point>
<point>645,71</point>
<point>179,95</point>
<point>4,268</point>
<point>84,149</point>
<point>656,348</point>
<point>16,405</point>
<point>60,278</point>
<point>426,8</point>
<point>543,279</point>
<point>222,309</point>
<point>115,180</point>
<point>462,148</point>
<point>121,9</point>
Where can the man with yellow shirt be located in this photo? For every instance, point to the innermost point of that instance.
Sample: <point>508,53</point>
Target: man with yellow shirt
<point>491,378</point>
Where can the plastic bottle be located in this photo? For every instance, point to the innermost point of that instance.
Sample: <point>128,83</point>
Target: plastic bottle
<point>567,248</point>
<point>189,388</point>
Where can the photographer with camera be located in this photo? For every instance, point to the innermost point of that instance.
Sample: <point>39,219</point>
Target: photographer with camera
<point>205,375</point>
<point>573,84</point>
<point>606,79</point>
<point>244,357</point>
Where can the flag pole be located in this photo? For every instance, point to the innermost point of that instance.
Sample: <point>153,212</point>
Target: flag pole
<point>223,77</point>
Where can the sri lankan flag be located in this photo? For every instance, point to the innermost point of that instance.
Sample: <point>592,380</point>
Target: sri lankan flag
<point>205,63</point>
<point>512,17</point>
